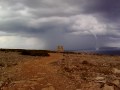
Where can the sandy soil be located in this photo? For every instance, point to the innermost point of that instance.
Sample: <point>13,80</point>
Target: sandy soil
<point>60,72</point>
<point>37,74</point>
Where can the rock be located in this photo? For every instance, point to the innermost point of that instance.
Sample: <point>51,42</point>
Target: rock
<point>115,71</point>
<point>107,87</point>
<point>51,88</point>
<point>116,82</point>
<point>100,79</point>
<point>48,88</point>
<point>1,83</point>
<point>49,84</point>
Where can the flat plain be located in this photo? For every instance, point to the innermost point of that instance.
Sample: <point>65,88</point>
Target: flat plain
<point>59,71</point>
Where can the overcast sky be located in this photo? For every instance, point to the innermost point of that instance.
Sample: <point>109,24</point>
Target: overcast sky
<point>44,24</point>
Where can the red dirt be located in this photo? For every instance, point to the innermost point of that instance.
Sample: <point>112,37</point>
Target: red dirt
<point>38,74</point>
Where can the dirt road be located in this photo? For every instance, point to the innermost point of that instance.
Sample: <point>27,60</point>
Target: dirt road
<point>38,74</point>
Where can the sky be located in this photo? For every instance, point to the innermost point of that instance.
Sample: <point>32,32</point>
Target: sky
<point>44,24</point>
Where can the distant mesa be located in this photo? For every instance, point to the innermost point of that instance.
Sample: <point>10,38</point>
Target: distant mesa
<point>109,48</point>
<point>60,48</point>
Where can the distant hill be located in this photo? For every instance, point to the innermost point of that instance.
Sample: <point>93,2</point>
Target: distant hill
<point>102,50</point>
<point>109,48</point>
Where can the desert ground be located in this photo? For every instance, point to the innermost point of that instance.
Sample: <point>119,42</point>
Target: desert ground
<point>59,71</point>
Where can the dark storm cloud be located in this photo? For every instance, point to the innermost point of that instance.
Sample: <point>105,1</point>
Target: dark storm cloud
<point>109,9</point>
<point>44,25</point>
<point>47,23</point>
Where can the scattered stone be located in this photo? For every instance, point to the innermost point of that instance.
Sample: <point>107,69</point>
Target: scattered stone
<point>116,82</point>
<point>1,83</point>
<point>107,87</point>
<point>51,88</point>
<point>100,79</point>
<point>115,71</point>
<point>49,84</point>
<point>48,88</point>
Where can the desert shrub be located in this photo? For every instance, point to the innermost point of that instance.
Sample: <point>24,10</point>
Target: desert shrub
<point>34,53</point>
<point>11,64</point>
<point>85,62</point>
<point>2,64</point>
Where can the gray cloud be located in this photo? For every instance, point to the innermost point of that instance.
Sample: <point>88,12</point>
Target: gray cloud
<point>108,9</point>
<point>44,24</point>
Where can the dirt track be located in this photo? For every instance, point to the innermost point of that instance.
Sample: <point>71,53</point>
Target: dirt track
<point>38,74</point>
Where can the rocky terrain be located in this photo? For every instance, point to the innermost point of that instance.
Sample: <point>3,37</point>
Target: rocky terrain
<point>59,71</point>
<point>92,72</point>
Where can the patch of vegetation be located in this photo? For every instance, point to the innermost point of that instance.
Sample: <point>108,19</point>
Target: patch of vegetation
<point>85,62</point>
<point>2,64</point>
<point>35,52</point>
<point>29,52</point>
<point>11,50</point>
